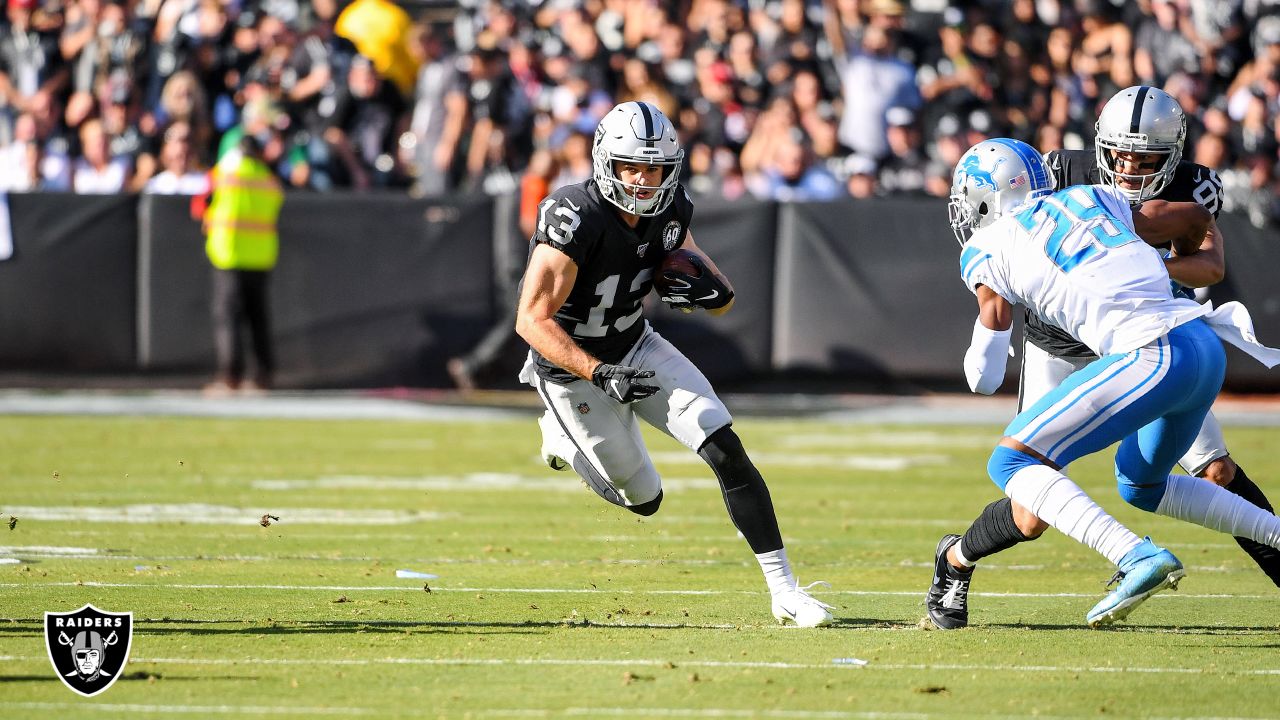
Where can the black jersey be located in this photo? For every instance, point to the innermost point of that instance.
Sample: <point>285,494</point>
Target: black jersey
<point>1191,181</point>
<point>615,267</point>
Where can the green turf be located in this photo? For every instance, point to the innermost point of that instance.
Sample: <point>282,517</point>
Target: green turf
<point>551,603</point>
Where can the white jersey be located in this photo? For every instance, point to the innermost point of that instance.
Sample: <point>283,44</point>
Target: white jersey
<point>1074,259</point>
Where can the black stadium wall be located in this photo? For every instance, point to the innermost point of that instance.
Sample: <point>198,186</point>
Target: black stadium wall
<point>381,290</point>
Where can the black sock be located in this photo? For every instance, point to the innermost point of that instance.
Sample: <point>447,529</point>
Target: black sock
<point>1267,557</point>
<point>746,497</point>
<point>992,532</point>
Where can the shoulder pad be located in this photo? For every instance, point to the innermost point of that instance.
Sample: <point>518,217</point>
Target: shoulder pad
<point>569,219</point>
<point>1193,181</point>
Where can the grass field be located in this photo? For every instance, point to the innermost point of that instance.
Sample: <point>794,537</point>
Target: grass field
<point>551,603</point>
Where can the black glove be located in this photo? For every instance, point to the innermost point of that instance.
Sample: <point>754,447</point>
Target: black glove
<point>704,291</point>
<point>619,382</point>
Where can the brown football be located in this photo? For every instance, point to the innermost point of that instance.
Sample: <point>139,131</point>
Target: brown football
<point>677,261</point>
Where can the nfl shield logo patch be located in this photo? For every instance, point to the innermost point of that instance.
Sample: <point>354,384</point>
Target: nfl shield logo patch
<point>88,647</point>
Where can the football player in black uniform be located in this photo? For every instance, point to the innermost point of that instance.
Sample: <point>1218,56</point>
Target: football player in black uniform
<point>599,367</point>
<point>1138,150</point>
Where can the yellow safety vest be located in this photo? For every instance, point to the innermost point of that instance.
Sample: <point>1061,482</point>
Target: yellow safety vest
<point>242,215</point>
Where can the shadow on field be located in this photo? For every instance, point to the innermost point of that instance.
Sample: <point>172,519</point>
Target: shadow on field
<point>142,675</point>
<point>179,626</point>
<point>1163,630</point>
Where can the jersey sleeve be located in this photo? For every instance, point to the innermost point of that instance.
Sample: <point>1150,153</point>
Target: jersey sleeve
<point>976,267</point>
<point>1054,160</point>
<point>566,222</point>
<point>683,206</point>
<point>1195,182</point>
<point>1070,167</point>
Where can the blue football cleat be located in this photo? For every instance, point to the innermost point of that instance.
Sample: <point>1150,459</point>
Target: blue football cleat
<point>1145,571</point>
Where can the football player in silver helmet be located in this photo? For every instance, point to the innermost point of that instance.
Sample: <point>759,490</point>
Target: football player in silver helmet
<point>1138,142</point>
<point>1080,255</point>
<point>600,368</point>
<point>1141,133</point>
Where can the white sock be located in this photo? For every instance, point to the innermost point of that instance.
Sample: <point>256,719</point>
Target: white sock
<point>1203,503</point>
<point>1061,503</point>
<point>777,571</point>
<point>960,558</point>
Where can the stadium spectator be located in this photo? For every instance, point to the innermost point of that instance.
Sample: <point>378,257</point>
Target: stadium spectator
<point>20,159</point>
<point>439,110</point>
<point>183,100</point>
<point>861,182</point>
<point>1161,46</point>
<point>873,81</point>
<point>31,67</point>
<point>97,171</point>
<point>485,83</point>
<point>366,123</point>
<point>791,173</point>
<point>904,170</point>
<point>181,173</point>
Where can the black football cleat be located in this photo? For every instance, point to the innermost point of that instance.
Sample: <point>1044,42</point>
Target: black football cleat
<point>948,598</point>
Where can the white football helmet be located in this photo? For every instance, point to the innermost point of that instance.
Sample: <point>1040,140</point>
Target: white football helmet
<point>636,132</point>
<point>1140,119</point>
<point>992,178</point>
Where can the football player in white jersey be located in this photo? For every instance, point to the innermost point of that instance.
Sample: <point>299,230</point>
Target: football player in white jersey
<point>1083,259</point>
<point>1138,149</point>
<point>598,366</point>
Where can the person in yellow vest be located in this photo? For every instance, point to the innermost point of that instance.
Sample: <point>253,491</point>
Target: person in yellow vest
<point>242,242</point>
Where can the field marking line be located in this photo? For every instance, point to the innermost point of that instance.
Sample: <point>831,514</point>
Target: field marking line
<point>192,709</point>
<point>589,591</point>
<point>662,663</point>
<point>209,514</point>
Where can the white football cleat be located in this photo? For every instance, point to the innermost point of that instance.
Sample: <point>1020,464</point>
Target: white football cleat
<point>801,608</point>
<point>554,443</point>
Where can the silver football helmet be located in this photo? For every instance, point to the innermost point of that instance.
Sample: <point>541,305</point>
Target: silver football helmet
<point>636,132</point>
<point>1140,119</point>
<point>992,178</point>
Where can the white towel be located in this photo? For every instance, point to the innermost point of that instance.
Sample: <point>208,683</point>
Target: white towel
<point>6,232</point>
<point>1233,324</point>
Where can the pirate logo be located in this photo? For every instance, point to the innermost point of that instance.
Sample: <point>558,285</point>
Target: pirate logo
<point>88,647</point>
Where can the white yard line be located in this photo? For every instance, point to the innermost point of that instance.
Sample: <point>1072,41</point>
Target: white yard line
<point>131,708</point>
<point>207,514</point>
<point>589,591</point>
<point>683,663</point>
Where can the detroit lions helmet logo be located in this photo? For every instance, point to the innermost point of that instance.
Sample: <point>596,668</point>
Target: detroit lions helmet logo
<point>981,178</point>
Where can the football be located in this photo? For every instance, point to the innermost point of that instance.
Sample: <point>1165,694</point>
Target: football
<point>677,261</point>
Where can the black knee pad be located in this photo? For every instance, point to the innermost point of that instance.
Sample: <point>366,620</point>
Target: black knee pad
<point>647,508</point>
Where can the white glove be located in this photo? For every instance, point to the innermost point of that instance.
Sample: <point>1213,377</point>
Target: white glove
<point>985,360</point>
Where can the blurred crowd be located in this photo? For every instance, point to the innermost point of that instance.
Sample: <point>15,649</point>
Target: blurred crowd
<point>777,99</point>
